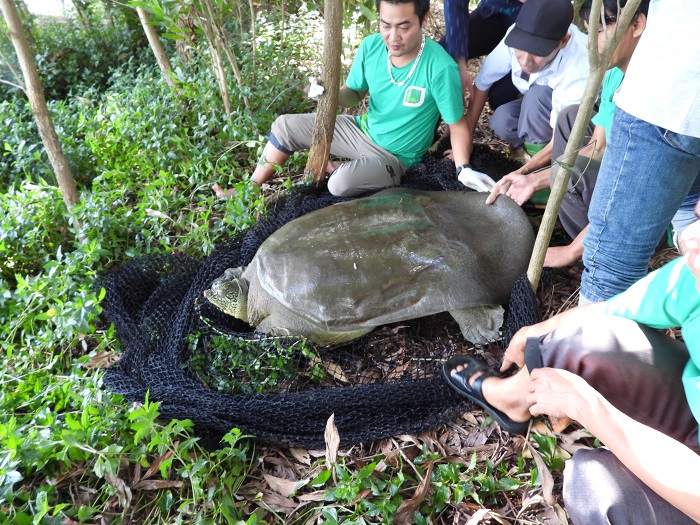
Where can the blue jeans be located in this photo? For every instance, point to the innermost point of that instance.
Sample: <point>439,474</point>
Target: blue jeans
<point>685,216</point>
<point>645,176</point>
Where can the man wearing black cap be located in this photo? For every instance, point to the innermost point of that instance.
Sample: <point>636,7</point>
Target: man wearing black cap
<point>548,61</point>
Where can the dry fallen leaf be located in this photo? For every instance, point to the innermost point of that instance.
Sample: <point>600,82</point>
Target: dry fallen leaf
<point>155,213</point>
<point>157,484</point>
<point>317,495</point>
<point>123,492</point>
<point>486,514</point>
<point>155,466</point>
<point>285,487</point>
<point>559,424</point>
<point>103,359</point>
<point>301,455</point>
<point>404,514</point>
<point>545,476</point>
<point>277,502</point>
<point>332,439</point>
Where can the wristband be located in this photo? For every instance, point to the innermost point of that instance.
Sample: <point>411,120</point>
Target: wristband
<point>462,167</point>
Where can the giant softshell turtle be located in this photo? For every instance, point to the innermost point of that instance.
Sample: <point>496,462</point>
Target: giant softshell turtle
<point>336,273</point>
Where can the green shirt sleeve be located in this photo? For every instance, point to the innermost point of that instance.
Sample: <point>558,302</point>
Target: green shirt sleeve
<point>606,111</point>
<point>357,79</point>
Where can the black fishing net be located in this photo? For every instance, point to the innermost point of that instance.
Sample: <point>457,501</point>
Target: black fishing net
<point>203,365</point>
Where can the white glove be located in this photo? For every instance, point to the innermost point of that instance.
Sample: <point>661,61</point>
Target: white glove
<point>315,90</point>
<point>475,180</point>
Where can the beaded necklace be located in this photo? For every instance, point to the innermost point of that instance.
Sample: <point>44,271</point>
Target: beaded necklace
<point>415,64</point>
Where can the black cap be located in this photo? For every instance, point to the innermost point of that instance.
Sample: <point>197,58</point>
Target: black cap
<point>540,26</point>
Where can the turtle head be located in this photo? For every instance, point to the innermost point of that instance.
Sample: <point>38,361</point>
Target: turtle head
<point>229,293</point>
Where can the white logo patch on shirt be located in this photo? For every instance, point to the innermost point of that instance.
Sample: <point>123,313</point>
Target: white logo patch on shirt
<point>414,96</point>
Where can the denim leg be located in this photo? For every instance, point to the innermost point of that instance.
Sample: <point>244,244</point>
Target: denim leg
<point>685,216</point>
<point>646,173</point>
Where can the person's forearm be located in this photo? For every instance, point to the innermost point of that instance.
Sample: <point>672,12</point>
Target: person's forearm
<point>571,315</point>
<point>461,141</point>
<point>476,106</point>
<point>348,98</point>
<point>668,467</point>
<point>539,180</point>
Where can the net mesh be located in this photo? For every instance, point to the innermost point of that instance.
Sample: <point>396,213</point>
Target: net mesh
<point>203,365</point>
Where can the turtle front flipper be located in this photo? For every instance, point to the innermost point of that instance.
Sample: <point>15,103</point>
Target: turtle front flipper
<point>479,324</point>
<point>229,293</point>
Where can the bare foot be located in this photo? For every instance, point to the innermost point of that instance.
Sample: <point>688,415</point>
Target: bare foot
<point>519,154</point>
<point>222,193</point>
<point>448,154</point>
<point>506,394</point>
<point>332,166</point>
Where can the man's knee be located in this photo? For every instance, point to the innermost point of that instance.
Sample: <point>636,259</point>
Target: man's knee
<point>588,497</point>
<point>291,132</point>
<point>538,95</point>
<point>535,112</point>
<point>504,122</point>
<point>341,186</point>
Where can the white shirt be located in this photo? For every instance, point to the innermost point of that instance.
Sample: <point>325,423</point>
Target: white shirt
<point>566,74</point>
<point>662,83</point>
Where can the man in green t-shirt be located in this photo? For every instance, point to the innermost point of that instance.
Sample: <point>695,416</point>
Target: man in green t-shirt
<point>412,81</point>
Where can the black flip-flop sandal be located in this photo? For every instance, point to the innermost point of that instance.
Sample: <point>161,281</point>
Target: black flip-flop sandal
<point>459,381</point>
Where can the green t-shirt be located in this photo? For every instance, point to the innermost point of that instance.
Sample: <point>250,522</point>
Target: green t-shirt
<point>402,119</point>
<point>604,117</point>
<point>668,298</point>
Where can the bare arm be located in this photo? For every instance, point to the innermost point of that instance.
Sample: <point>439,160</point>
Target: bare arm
<point>561,256</point>
<point>348,98</point>
<point>476,106</point>
<point>596,146</point>
<point>461,139</point>
<point>466,77</point>
<point>646,452</point>
<point>515,353</point>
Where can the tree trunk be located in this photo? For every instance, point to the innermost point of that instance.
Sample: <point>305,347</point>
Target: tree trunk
<point>324,125</point>
<point>220,75</point>
<point>156,46</point>
<point>599,65</point>
<point>219,40</point>
<point>28,20</point>
<point>37,100</point>
<point>252,31</point>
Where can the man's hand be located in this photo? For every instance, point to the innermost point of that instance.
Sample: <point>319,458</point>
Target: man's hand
<point>475,180</point>
<point>315,90</point>
<point>515,353</point>
<point>559,394</point>
<point>515,185</point>
<point>560,257</point>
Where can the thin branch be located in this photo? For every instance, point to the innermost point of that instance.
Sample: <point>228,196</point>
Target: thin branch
<point>21,88</point>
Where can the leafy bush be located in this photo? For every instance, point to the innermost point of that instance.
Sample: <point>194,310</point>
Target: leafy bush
<point>73,56</point>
